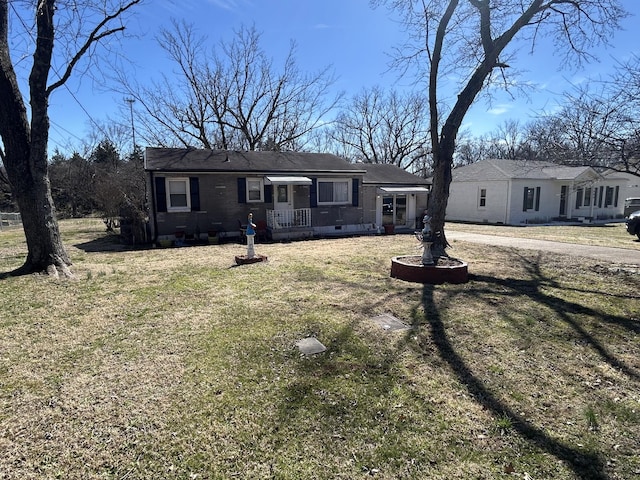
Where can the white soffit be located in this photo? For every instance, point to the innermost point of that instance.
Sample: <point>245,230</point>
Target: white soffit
<point>404,189</point>
<point>288,180</point>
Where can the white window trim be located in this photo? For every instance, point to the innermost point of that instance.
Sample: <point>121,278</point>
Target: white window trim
<point>335,180</point>
<point>171,208</point>
<point>261,181</point>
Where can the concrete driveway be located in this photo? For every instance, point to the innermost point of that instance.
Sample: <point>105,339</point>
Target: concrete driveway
<point>607,254</point>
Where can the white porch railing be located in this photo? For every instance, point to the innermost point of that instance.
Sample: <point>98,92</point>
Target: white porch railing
<point>299,217</point>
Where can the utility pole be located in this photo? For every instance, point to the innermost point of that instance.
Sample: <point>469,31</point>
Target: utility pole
<point>131,101</point>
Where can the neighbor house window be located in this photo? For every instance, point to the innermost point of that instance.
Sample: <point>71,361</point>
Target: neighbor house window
<point>255,190</point>
<point>600,196</point>
<point>579,196</point>
<point>333,191</point>
<point>482,198</point>
<point>531,199</point>
<point>178,195</point>
<point>608,197</point>
<point>587,197</point>
<point>611,196</point>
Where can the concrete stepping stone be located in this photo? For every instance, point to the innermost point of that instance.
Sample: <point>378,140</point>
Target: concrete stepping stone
<point>389,322</point>
<point>310,346</point>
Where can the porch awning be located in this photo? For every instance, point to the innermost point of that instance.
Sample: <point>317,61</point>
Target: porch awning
<point>404,189</point>
<point>287,180</point>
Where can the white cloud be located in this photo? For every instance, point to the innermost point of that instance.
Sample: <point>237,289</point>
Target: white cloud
<point>500,109</point>
<point>226,4</point>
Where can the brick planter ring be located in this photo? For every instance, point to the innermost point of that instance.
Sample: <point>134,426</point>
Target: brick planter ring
<point>410,269</point>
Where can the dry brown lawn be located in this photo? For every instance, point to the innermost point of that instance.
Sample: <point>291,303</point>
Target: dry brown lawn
<point>174,363</point>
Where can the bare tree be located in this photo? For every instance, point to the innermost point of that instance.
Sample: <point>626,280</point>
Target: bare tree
<point>598,123</point>
<point>471,149</point>
<point>379,127</point>
<point>508,140</point>
<point>75,29</point>
<point>511,140</point>
<point>232,96</point>
<point>468,40</point>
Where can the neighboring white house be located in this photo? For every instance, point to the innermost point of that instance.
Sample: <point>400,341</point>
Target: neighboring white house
<point>629,185</point>
<point>515,192</point>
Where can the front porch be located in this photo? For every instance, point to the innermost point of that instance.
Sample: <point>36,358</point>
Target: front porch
<point>290,224</point>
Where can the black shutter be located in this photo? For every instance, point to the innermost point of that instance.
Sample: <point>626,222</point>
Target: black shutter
<point>524,200</point>
<point>242,190</point>
<point>194,190</point>
<point>615,201</point>
<point>268,193</point>
<point>355,189</point>
<point>313,193</point>
<point>537,199</point>
<point>161,195</point>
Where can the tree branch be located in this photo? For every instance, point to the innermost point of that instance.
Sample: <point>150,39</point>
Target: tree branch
<point>95,36</point>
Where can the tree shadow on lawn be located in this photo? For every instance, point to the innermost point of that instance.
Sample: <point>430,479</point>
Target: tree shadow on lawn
<point>109,243</point>
<point>311,391</point>
<point>584,464</point>
<point>563,309</point>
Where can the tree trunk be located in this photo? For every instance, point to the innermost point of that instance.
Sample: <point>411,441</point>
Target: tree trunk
<point>439,197</point>
<point>25,154</point>
<point>46,252</point>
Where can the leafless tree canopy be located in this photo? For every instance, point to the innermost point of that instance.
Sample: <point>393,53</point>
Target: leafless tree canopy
<point>232,96</point>
<point>384,127</point>
<point>596,123</point>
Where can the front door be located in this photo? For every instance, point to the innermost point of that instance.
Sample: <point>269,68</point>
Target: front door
<point>283,197</point>
<point>394,210</point>
<point>283,204</point>
<point>563,201</point>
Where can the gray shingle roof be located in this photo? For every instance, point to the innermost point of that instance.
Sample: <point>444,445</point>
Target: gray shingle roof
<point>381,174</point>
<point>198,160</point>
<point>493,169</point>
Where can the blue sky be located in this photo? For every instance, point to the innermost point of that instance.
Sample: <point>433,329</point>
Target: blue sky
<point>347,34</point>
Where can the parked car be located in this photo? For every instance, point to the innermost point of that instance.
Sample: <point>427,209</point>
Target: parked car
<point>633,223</point>
<point>631,205</point>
